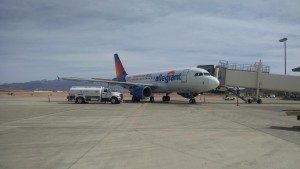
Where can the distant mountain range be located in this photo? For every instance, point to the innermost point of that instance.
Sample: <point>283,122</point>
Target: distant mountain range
<point>53,85</point>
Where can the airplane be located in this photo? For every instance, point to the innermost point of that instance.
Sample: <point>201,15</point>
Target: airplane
<point>188,82</point>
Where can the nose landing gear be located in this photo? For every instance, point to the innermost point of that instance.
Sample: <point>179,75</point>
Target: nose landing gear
<point>192,101</point>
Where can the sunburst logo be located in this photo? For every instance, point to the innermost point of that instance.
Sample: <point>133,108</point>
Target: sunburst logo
<point>172,72</point>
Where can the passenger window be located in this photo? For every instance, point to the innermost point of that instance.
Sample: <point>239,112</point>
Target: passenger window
<point>196,74</point>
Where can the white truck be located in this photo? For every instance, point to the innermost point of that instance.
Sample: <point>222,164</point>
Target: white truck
<point>94,94</point>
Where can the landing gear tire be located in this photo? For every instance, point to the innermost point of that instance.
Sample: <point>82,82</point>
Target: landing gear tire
<point>151,99</point>
<point>166,98</point>
<point>192,101</point>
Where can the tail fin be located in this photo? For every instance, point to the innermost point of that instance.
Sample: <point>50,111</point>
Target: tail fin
<point>120,71</point>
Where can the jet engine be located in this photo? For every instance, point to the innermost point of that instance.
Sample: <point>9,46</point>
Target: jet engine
<point>141,92</point>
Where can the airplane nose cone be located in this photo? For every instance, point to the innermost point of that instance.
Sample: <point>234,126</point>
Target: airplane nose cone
<point>214,83</point>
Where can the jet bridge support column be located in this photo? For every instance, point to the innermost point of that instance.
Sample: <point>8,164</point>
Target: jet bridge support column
<point>258,78</point>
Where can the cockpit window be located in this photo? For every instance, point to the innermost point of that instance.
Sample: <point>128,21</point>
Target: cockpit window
<point>201,74</point>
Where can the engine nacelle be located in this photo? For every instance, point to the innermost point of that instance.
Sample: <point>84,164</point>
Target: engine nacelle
<point>141,92</point>
<point>188,95</point>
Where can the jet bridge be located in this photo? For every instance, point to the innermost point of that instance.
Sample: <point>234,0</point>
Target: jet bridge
<point>255,76</point>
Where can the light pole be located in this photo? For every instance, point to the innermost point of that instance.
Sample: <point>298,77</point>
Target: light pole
<point>284,40</point>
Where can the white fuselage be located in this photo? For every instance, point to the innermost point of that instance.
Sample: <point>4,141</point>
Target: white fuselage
<point>195,80</point>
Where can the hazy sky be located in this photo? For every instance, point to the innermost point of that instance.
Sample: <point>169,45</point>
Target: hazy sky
<point>40,39</point>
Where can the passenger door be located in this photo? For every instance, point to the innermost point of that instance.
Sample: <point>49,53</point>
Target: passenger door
<point>184,75</point>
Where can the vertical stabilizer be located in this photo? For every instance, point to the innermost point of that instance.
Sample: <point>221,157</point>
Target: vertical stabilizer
<point>120,71</point>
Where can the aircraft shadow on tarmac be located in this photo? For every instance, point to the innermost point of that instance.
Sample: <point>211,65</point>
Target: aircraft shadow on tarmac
<point>158,102</point>
<point>294,128</point>
<point>175,102</point>
<point>130,102</point>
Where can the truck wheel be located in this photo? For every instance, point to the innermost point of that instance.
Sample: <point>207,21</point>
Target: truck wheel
<point>113,100</point>
<point>249,101</point>
<point>80,100</point>
<point>259,101</point>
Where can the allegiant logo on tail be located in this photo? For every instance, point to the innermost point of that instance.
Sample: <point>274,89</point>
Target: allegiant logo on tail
<point>171,76</point>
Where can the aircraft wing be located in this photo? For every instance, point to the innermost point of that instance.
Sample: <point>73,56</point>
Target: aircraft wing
<point>127,85</point>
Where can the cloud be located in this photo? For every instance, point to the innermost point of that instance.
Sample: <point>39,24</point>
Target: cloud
<point>40,39</point>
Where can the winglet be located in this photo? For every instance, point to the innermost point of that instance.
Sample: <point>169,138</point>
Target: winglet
<point>120,71</point>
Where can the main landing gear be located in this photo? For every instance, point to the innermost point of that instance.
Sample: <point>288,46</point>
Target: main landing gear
<point>151,98</point>
<point>166,98</point>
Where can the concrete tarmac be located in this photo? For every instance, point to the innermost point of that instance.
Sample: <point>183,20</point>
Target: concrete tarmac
<point>216,134</point>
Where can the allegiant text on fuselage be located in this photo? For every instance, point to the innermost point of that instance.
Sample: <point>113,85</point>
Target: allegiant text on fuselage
<point>168,78</point>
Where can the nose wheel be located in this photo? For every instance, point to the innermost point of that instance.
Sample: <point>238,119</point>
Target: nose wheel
<point>192,101</point>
